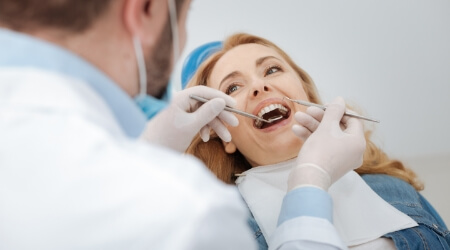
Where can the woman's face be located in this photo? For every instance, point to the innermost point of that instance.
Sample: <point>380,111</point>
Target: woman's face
<point>258,78</point>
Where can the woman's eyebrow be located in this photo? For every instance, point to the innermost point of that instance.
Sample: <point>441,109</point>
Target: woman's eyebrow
<point>259,61</point>
<point>232,74</point>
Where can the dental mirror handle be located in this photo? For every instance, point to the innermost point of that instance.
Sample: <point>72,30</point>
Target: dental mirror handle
<point>305,103</point>
<point>239,112</point>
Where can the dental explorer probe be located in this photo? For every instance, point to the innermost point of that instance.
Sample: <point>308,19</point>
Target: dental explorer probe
<point>237,111</point>
<point>305,103</point>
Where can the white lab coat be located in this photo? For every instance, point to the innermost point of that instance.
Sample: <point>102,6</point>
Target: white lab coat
<point>70,178</point>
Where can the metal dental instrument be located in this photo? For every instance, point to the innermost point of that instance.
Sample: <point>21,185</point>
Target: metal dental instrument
<point>237,111</point>
<point>305,103</point>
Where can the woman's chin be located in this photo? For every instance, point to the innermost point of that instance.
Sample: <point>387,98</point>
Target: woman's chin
<point>275,159</point>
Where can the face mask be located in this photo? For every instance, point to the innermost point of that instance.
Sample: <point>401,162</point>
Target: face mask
<point>148,104</point>
<point>151,106</point>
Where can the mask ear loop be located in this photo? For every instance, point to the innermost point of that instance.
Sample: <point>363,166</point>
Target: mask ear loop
<point>141,68</point>
<point>175,37</point>
<point>142,71</point>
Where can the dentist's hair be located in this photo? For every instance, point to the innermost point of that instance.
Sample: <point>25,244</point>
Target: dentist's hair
<point>69,15</point>
<point>225,165</point>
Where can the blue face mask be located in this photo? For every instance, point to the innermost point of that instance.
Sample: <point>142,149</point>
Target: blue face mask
<point>150,105</point>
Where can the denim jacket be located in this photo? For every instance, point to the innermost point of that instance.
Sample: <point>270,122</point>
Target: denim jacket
<point>431,233</point>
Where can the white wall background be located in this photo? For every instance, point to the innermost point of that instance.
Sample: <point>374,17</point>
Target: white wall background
<point>390,57</point>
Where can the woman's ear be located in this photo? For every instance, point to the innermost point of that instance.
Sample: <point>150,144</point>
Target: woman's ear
<point>229,147</point>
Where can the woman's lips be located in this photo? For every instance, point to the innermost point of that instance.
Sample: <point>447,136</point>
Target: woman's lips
<point>271,108</point>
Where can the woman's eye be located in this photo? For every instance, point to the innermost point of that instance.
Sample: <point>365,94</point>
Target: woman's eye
<point>231,89</point>
<point>271,70</point>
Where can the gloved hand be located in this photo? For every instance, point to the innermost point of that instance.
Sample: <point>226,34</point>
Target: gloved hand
<point>333,147</point>
<point>308,122</point>
<point>176,126</point>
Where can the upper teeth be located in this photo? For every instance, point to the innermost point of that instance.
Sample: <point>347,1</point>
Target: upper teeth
<point>272,107</point>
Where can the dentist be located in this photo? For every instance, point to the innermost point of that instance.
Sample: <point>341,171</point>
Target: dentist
<point>74,171</point>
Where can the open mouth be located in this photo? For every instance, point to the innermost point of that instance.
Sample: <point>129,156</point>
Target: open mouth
<point>272,111</point>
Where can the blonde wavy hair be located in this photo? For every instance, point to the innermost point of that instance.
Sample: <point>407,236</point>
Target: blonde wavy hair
<point>225,166</point>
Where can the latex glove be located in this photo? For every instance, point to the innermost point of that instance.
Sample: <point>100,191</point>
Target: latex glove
<point>308,122</point>
<point>176,126</point>
<point>334,147</point>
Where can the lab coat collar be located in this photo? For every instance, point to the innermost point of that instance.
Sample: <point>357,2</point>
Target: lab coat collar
<point>18,49</point>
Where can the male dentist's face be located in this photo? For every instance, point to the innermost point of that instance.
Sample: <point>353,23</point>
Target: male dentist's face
<point>159,64</point>
<point>258,78</point>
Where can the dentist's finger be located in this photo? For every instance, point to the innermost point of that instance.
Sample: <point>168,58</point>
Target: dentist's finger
<point>353,126</point>
<point>306,121</point>
<point>204,133</point>
<point>315,112</point>
<point>207,112</point>
<point>301,132</point>
<point>334,112</point>
<point>229,118</point>
<point>220,129</point>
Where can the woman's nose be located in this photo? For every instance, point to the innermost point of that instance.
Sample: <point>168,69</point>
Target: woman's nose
<point>259,88</point>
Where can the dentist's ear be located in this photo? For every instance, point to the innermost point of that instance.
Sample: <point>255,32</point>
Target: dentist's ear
<point>229,147</point>
<point>145,19</point>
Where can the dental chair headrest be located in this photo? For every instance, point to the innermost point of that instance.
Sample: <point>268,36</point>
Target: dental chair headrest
<point>195,58</point>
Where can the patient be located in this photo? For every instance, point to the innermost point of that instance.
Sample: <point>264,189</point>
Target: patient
<point>258,75</point>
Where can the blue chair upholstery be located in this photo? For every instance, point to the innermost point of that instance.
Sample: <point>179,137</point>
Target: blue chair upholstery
<point>195,58</point>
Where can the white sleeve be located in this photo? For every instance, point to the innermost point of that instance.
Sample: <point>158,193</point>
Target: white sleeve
<point>223,229</point>
<point>96,193</point>
<point>69,179</point>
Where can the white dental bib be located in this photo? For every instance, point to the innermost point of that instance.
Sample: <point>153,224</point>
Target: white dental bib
<point>359,214</point>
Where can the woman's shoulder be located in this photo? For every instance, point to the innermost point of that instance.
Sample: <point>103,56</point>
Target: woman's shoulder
<point>408,200</point>
<point>392,189</point>
<point>397,192</point>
